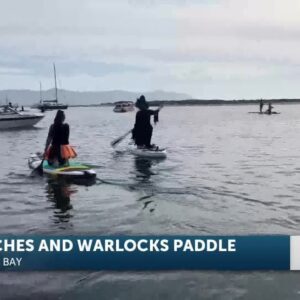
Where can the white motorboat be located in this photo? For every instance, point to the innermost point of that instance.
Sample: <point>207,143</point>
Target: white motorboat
<point>124,106</point>
<point>10,118</point>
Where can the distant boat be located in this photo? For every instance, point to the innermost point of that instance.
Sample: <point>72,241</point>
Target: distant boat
<point>123,106</point>
<point>44,105</point>
<point>11,118</point>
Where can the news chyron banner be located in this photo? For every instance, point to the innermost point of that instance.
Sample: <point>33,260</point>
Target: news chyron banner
<point>149,253</point>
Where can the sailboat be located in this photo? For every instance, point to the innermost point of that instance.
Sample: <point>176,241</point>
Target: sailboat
<point>50,104</point>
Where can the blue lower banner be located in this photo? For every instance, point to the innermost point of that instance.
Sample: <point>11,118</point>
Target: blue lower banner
<point>149,253</point>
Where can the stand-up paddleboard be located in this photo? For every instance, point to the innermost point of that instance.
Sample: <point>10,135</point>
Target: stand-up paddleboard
<point>149,153</point>
<point>264,113</point>
<point>73,170</point>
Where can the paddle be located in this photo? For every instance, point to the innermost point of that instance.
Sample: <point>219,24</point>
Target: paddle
<point>120,139</point>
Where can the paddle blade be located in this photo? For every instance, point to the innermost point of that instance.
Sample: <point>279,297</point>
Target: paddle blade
<point>116,141</point>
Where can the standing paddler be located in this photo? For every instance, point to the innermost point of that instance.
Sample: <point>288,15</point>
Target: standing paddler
<point>261,105</point>
<point>142,131</point>
<point>269,110</point>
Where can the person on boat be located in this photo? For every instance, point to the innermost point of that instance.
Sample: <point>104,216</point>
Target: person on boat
<point>269,110</point>
<point>142,131</point>
<point>261,105</point>
<point>10,105</point>
<point>57,149</point>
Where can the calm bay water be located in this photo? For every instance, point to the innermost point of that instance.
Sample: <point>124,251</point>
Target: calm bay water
<point>227,172</point>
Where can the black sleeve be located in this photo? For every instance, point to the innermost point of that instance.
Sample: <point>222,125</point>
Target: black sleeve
<point>152,112</point>
<point>155,114</point>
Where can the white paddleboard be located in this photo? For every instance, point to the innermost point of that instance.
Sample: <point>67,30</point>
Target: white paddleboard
<point>148,153</point>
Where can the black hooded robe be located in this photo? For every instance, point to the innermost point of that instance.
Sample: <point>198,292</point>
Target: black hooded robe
<point>142,131</point>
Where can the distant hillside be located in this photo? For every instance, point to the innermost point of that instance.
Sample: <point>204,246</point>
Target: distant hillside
<point>28,97</point>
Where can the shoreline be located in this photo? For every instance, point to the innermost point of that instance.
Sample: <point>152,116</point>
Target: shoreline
<point>196,102</point>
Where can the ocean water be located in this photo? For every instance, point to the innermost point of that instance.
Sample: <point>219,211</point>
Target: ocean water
<point>227,172</point>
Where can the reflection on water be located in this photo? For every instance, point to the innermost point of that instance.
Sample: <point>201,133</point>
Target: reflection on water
<point>59,192</point>
<point>143,173</point>
<point>143,169</point>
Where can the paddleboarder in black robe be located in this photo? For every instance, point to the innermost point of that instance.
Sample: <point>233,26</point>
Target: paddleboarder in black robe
<point>142,131</point>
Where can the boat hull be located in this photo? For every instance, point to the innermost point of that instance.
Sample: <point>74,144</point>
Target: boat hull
<point>123,106</point>
<point>122,110</point>
<point>54,107</point>
<point>50,107</point>
<point>20,122</point>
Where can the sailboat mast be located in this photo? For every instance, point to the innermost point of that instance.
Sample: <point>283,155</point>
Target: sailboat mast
<point>55,82</point>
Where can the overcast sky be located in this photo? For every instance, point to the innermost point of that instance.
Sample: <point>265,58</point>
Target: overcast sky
<point>208,49</point>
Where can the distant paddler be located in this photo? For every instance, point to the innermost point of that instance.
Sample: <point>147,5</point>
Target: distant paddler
<point>269,110</point>
<point>57,149</point>
<point>142,131</point>
<point>261,105</point>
